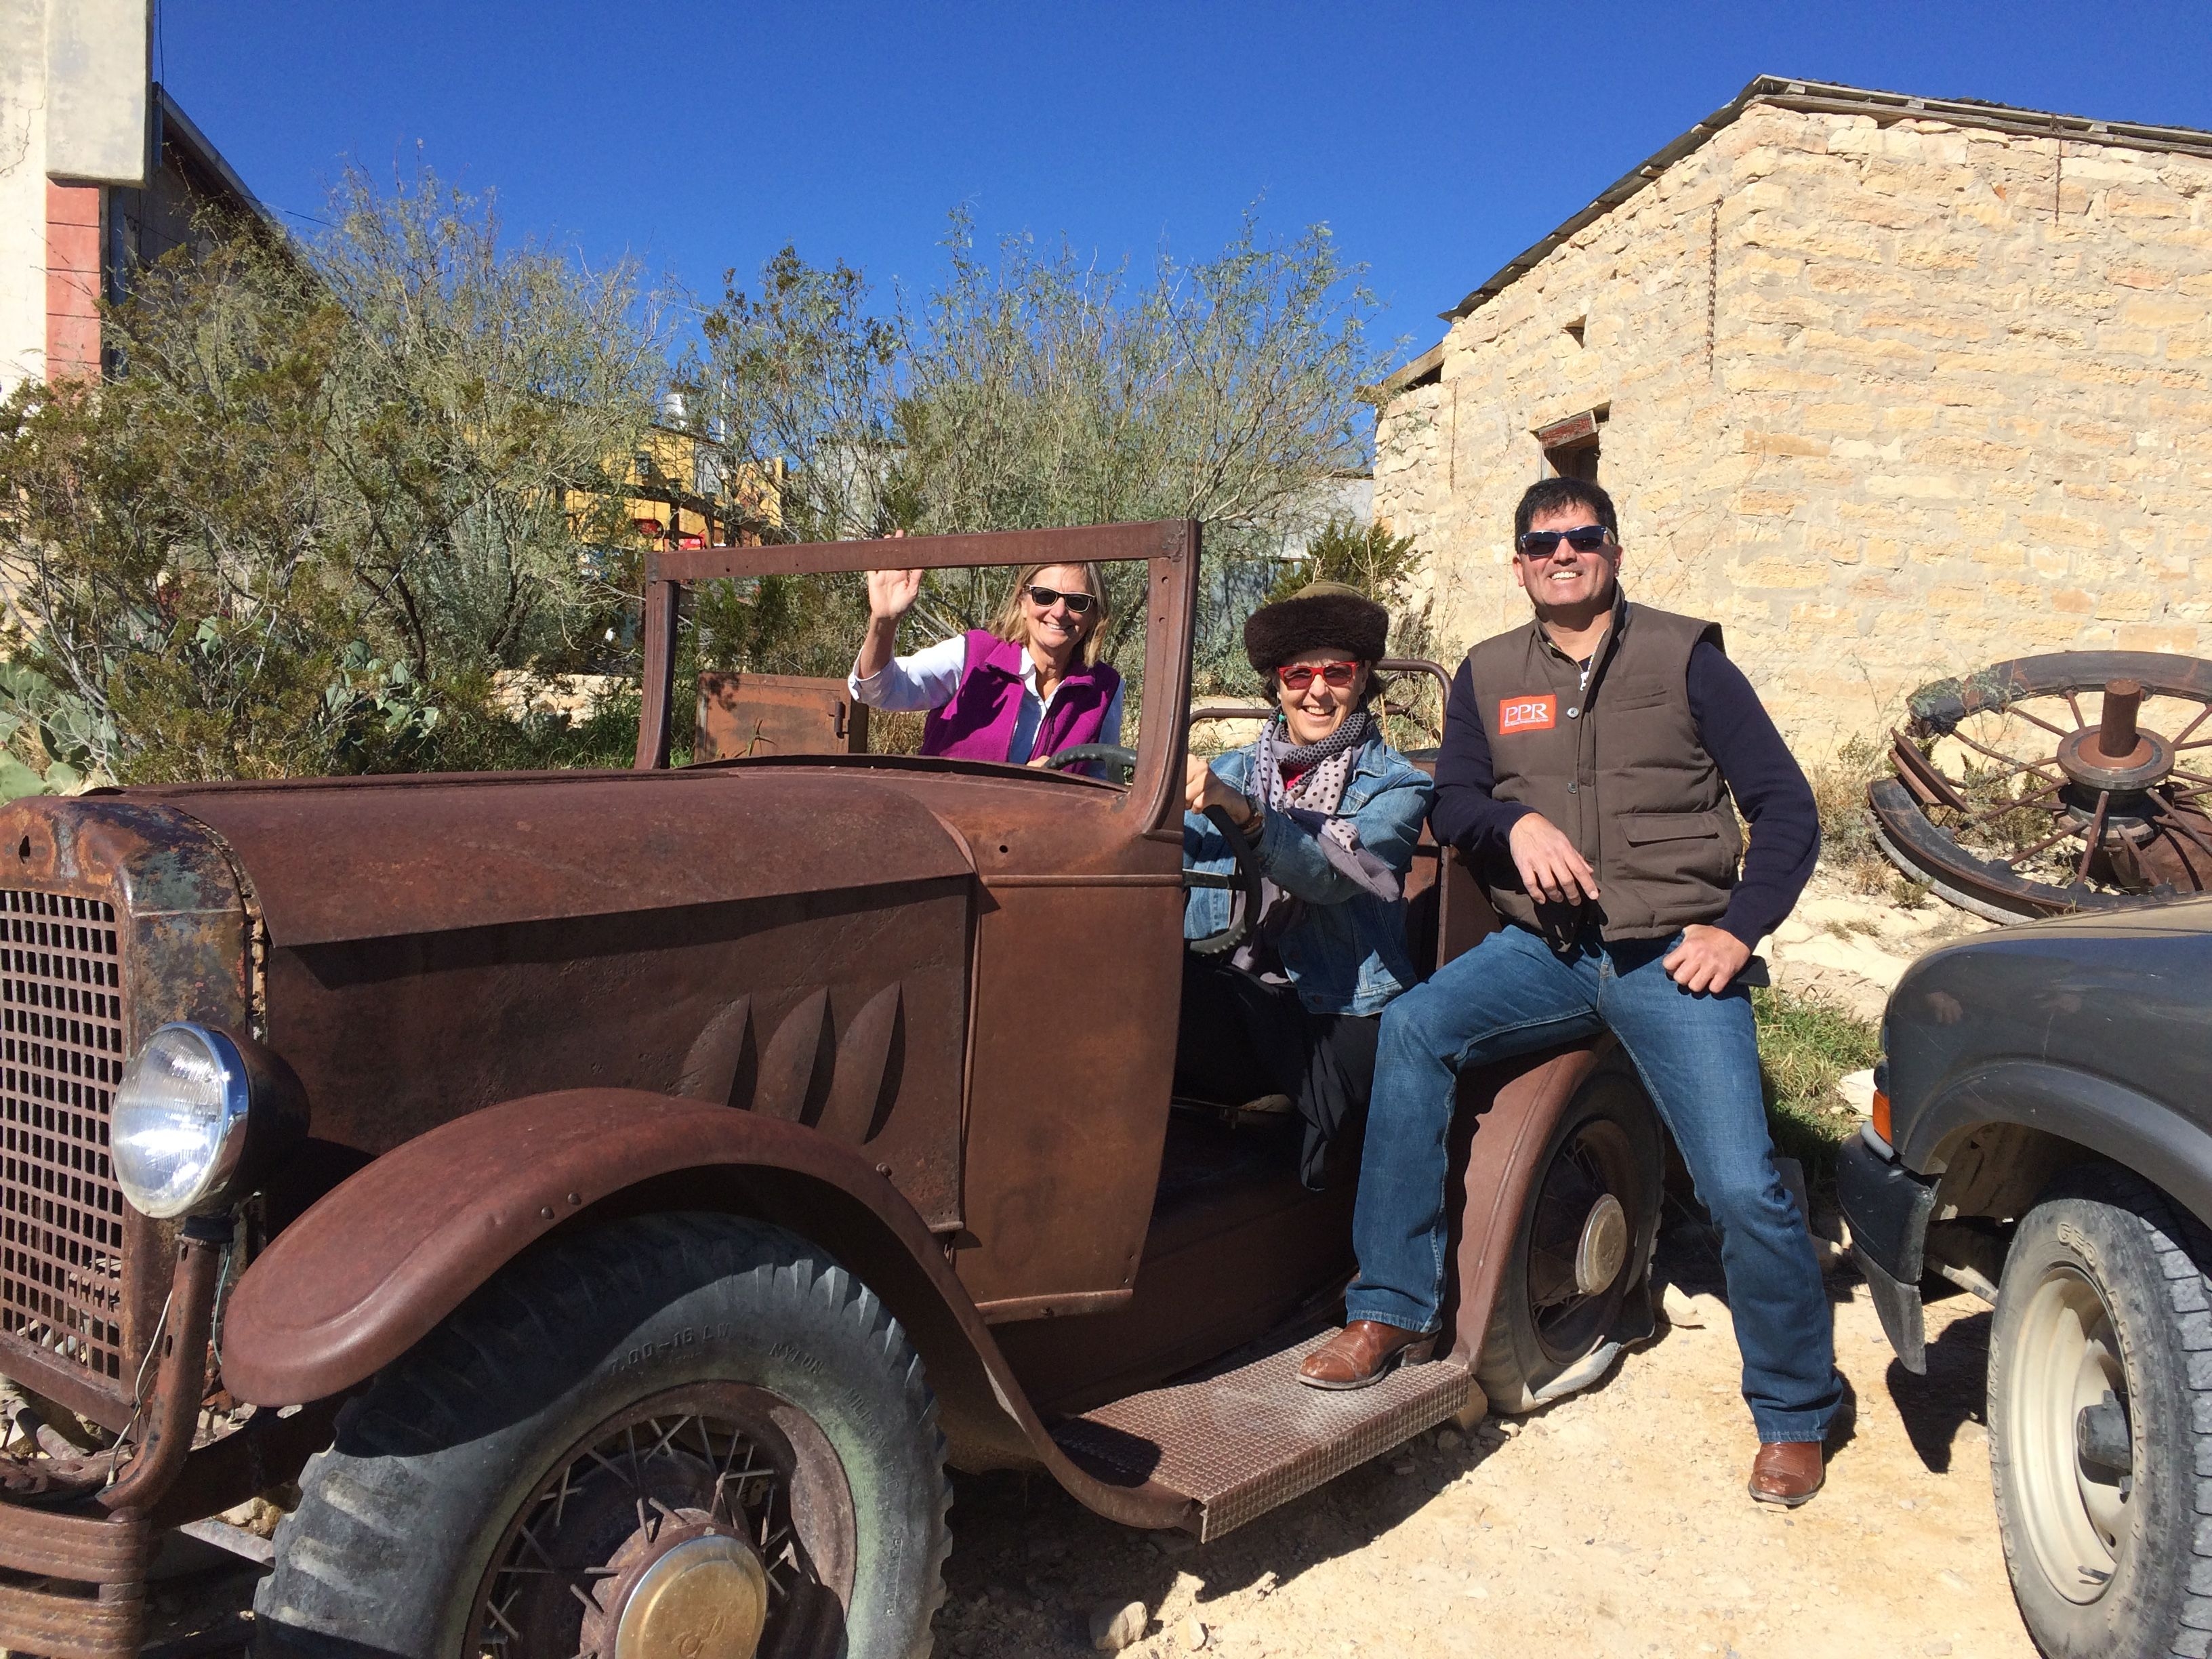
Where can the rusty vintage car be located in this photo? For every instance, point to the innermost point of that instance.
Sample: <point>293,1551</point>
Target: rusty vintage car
<point>615,1198</point>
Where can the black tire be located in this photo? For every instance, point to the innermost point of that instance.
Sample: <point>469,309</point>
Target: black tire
<point>439,1467</point>
<point>1540,1345</point>
<point>2103,1244</point>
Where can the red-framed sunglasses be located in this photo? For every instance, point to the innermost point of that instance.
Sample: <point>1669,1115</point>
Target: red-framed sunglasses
<point>1296,676</point>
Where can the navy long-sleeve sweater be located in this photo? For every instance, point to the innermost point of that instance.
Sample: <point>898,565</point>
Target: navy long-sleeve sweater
<point>1769,790</point>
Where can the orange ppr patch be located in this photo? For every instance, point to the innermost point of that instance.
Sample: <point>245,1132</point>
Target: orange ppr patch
<point>1528,713</point>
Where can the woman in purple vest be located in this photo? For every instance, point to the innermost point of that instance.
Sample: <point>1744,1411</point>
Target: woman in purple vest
<point>1021,692</point>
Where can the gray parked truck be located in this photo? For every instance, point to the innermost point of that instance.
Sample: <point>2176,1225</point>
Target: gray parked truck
<point>2042,1137</point>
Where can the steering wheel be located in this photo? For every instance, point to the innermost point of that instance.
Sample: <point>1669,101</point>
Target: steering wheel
<point>1080,754</point>
<point>1244,879</point>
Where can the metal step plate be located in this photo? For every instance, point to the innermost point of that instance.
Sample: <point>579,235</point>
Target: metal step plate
<point>1244,1440</point>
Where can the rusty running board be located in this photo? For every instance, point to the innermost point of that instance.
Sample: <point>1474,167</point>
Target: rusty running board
<point>1239,1441</point>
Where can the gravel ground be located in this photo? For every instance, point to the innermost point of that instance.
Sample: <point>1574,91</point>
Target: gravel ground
<point>1613,1524</point>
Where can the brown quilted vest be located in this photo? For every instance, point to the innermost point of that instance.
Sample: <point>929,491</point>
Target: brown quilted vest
<point>1618,766</point>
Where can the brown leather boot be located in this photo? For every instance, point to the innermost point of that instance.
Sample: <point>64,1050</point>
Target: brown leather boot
<point>1788,1472</point>
<point>1362,1352</point>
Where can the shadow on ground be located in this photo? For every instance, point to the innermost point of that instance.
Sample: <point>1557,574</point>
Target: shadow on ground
<point>1934,1407</point>
<point>1029,1564</point>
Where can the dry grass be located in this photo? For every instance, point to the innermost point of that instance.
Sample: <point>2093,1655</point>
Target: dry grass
<point>1840,789</point>
<point>1988,787</point>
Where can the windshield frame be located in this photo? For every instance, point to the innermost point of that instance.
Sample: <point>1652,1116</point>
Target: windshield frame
<point>1168,547</point>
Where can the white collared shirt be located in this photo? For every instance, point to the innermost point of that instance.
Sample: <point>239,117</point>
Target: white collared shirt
<point>928,678</point>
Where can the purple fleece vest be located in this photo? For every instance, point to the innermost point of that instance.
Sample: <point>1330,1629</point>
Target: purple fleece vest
<point>978,723</point>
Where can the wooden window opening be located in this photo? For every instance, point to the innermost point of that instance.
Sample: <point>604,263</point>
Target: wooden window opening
<point>1571,446</point>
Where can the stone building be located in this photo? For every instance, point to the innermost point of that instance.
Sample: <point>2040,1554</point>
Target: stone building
<point>1891,387</point>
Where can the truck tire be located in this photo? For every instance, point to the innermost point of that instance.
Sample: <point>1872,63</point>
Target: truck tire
<point>1581,1250</point>
<point>699,1390</point>
<point>2100,1430</point>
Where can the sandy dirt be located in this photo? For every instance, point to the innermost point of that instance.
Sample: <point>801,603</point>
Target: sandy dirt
<point>1613,1524</point>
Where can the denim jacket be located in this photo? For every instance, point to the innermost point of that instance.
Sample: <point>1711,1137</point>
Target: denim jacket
<point>1347,954</point>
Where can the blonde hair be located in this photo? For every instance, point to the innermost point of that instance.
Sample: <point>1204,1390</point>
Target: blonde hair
<point>1012,622</point>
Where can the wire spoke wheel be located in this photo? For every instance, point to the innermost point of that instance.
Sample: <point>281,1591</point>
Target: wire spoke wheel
<point>2080,781</point>
<point>1577,1285</point>
<point>712,1521</point>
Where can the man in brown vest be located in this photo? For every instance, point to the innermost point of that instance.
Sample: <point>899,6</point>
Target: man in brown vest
<point>1587,769</point>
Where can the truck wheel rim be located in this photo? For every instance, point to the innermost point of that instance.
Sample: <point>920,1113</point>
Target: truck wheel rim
<point>2066,1360</point>
<point>711,1481</point>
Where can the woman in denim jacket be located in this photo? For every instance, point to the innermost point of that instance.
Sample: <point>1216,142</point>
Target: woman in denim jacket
<point>1333,812</point>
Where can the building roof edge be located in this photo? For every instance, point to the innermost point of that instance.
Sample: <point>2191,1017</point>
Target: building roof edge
<point>1833,98</point>
<point>179,128</point>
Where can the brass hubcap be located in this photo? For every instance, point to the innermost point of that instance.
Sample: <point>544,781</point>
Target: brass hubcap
<point>706,1598</point>
<point>712,1520</point>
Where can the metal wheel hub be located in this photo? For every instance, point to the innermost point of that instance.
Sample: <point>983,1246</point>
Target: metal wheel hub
<point>1581,1240</point>
<point>2038,786</point>
<point>709,1520</point>
<point>698,1591</point>
<point>2067,1436</point>
<point>1603,1246</point>
<point>2082,758</point>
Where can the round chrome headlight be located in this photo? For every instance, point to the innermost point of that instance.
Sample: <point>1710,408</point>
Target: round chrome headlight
<point>180,1124</point>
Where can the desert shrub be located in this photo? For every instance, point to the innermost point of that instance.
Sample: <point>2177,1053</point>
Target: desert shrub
<point>326,494</point>
<point>1032,390</point>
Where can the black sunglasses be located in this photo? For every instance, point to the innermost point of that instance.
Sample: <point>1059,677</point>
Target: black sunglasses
<point>1078,604</point>
<point>1584,538</point>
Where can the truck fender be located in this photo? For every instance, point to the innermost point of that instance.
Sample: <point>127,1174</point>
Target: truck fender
<point>377,1262</point>
<point>2105,1117</point>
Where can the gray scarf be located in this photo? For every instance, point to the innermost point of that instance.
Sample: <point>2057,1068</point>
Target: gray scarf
<point>1324,768</point>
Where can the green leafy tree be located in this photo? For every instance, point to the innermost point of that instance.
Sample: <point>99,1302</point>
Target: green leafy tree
<point>1032,390</point>
<point>1380,564</point>
<point>1367,557</point>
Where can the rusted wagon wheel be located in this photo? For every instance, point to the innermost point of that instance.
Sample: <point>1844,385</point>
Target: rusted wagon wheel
<point>685,1435</point>
<point>2079,780</point>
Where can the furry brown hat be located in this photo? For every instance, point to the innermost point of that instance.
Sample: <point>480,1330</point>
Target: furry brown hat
<point>1319,616</point>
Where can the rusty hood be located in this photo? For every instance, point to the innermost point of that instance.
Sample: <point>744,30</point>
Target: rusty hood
<point>368,858</point>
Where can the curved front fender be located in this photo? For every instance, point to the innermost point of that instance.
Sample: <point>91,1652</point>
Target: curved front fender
<point>376,1263</point>
<point>380,1259</point>
<point>2163,1146</point>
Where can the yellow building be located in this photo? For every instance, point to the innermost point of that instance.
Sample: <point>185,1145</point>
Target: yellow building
<point>682,490</point>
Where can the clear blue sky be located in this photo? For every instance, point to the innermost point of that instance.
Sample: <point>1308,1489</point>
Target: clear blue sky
<point>1438,141</point>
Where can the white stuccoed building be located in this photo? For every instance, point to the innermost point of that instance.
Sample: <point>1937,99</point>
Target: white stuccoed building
<point>100,170</point>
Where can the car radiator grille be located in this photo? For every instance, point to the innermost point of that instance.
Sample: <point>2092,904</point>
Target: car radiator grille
<point>61,1056</point>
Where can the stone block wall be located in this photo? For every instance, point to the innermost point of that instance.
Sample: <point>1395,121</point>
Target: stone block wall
<point>1888,401</point>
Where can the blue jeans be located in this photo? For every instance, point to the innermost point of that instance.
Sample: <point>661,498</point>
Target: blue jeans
<point>1698,1056</point>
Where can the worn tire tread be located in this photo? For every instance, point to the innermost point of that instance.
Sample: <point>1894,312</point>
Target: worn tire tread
<point>2181,1248</point>
<point>353,1502</point>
